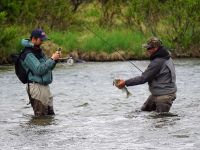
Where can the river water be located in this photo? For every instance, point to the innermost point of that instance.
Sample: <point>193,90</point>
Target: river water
<point>91,114</point>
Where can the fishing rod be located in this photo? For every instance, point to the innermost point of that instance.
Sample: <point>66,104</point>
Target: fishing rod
<point>124,59</point>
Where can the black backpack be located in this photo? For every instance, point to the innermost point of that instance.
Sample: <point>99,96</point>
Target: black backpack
<point>21,73</point>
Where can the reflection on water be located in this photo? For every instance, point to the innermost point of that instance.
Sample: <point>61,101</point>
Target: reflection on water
<point>164,119</point>
<point>156,115</point>
<point>42,121</point>
<point>92,114</point>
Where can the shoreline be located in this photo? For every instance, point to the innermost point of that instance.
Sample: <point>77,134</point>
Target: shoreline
<point>50,47</point>
<point>104,57</point>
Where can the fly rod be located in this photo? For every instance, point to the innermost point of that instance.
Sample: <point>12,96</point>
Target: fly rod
<point>112,47</point>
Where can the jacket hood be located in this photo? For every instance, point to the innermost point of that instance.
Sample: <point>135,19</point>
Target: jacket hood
<point>27,43</point>
<point>160,53</point>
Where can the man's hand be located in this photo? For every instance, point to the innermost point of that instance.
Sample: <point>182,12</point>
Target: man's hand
<point>56,55</point>
<point>120,84</point>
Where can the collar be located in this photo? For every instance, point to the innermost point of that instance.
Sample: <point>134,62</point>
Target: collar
<point>160,53</point>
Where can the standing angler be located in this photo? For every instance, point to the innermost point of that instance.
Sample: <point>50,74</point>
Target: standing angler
<point>39,72</point>
<point>160,75</point>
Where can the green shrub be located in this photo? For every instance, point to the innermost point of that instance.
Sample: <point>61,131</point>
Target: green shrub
<point>9,39</point>
<point>68,40</point>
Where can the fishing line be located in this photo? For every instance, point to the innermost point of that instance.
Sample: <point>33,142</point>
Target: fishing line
<point>123,58</point>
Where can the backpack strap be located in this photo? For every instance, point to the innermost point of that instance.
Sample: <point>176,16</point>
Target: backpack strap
<point>23,54</point>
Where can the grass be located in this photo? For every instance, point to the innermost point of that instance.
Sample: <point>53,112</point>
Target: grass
<point>95,39</point>
<point>68,40</point>
<point>99,39</point>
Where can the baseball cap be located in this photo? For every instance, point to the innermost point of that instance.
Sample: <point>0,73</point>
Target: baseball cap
<point>152,43</point>
<point>39,33</point>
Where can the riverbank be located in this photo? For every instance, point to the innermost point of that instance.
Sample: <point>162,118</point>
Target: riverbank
<point>103,56</point>
<point>103,45</point>
<point>82,53</point>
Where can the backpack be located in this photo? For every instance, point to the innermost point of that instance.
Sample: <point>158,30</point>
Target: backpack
<point>21,73</point>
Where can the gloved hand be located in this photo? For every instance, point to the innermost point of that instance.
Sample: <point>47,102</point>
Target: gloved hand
<point>119,83</point>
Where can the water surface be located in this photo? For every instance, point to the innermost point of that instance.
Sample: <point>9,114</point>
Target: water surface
<point>91,114</point>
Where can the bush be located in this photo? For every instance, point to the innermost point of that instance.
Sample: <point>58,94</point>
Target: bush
<point>8,39</point>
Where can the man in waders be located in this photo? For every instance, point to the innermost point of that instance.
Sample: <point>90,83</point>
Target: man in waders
<point>160,75</point>
<point>39,71</point>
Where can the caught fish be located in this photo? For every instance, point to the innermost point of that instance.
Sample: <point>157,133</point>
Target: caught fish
<point>116,82</point>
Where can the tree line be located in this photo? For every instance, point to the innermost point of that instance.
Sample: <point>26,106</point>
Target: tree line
<point>176,21</point>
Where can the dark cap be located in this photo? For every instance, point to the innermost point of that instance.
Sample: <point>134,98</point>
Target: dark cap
<point>152,43</point>
<point>39,33</point>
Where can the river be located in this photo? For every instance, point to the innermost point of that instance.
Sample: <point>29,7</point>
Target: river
<point>91,114</point>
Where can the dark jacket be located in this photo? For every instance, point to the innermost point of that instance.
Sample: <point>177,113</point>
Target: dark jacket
<point>160,74</point>
<point>39,67</point>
